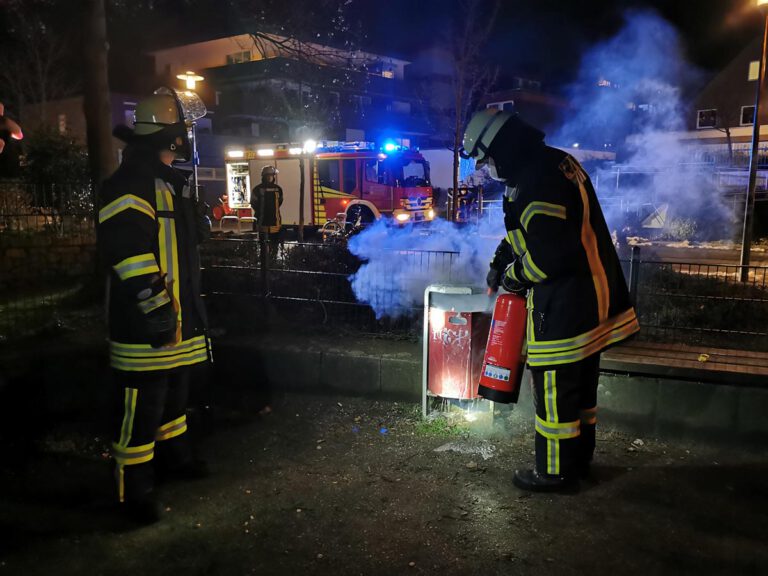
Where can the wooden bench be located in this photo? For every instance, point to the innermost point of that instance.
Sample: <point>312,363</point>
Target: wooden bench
<point>684,362</point>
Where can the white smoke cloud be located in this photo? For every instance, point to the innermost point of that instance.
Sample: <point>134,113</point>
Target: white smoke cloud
<point>400,262</point>
<point>644,71</point>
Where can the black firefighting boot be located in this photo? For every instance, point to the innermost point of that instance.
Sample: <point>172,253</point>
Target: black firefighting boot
<point>533,481</point>
<point>145,510</point>
<point>191,470</point>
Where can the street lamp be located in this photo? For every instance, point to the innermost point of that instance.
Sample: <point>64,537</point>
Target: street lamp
<point>191,78</point>
<point>749,207</point>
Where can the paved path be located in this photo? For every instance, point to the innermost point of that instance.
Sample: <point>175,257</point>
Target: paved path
<point>333,485</point>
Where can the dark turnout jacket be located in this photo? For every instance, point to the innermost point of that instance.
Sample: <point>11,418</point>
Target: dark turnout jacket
<point>266,200</point>
<point>147,230</point>
<point>579,303</point>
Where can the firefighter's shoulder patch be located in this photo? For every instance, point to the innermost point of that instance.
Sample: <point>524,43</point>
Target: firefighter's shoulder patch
<point>572,170</point>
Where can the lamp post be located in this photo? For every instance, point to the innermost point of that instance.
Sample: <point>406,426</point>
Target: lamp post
<point>191,79</point>
<point>749,207</point>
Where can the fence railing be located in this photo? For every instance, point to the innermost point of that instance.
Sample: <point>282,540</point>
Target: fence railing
<point>57,209</point>
<point>691,303</point>
<point>698,303</point>
<point>313,283</point>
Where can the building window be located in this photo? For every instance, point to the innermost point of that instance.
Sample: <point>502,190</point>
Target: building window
<point>239,57</point>
<point>747,115</point>
<point>388,73</point>
<point>62,123</point>
<point>706,118</point>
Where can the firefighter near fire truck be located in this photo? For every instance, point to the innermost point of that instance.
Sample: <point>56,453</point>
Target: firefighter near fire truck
<point>150,224</point>
<point>558,252</point>
<point>266,200</point>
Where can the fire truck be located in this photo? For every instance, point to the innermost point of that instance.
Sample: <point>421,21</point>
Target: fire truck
<point>332,183</point>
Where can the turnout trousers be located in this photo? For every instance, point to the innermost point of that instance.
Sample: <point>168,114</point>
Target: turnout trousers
<point>150,428</point>
<point>565,397</point>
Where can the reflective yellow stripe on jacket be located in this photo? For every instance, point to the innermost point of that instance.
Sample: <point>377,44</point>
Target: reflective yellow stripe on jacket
<point>552,352</point>
<point>128,201</point>
<point>142,357</point>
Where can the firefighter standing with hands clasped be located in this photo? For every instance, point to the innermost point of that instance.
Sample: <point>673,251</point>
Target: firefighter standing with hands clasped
<point>266,199</point>
<point>150,224</point>
<point>557,250</point>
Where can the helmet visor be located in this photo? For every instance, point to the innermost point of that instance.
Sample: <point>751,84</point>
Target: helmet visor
<point>191,106</point>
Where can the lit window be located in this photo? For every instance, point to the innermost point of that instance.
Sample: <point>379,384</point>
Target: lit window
<point>706,118</point>
<point>388,73</point>
<point>62,123</point>
<point>239,57</point>
<point>747,115</point>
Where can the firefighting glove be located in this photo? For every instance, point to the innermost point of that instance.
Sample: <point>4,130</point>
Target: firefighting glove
<point>159,318</point>
<point>202,221</point>
<point>502,258</point>
<point>511,284</point>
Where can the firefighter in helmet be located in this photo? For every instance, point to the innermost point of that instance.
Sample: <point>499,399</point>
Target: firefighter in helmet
<point>266,199</point>
<point>558,250</point>
<point>150,224</point>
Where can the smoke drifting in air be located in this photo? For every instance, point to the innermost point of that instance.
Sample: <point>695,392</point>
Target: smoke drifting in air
<point>632,84</point>
<point>643,72</point>
<point>402,261</point>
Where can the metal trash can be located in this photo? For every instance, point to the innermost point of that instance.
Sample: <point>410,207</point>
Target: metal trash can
<point>457,320</point>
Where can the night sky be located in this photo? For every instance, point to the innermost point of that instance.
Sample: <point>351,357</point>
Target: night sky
<point>545,38</point>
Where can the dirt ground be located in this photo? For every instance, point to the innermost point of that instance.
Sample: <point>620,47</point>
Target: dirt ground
<point>333,485</point>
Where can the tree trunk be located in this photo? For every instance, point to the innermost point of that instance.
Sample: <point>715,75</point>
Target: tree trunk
<point>96,101</point>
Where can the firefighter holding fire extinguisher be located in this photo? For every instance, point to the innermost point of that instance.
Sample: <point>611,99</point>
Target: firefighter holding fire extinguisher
<point>559,253</point>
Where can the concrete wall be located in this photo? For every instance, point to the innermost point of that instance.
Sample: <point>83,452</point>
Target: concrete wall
<point>648,407</point>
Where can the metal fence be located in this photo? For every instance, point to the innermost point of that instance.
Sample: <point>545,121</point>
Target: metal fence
<point>690,303</point>
<point>700,304</point>
<point>47,252</point>
<point>311,283</point>
<point>56,209</point>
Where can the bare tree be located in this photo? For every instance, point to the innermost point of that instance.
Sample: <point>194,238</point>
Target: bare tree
<point>317,49</point>
<point>470,75</point>
<point>33,62</point>
<point>96,100</point>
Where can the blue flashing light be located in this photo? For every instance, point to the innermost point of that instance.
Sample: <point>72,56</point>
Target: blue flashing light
<point>390,147</point>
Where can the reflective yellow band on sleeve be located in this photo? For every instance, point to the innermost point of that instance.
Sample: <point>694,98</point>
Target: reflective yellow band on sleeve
<point>544,208</point>
<point>127,456</point>
<point>172,429</point>
<point>558,430</point>
<point>531,271</point>
<point>510,273</point>
<point>124,203</point>
<point>136,266</point>
<point>146,306</point>
<point>515,238</point>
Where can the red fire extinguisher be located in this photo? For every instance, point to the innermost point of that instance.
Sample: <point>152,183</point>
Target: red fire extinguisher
<point>505,352</point>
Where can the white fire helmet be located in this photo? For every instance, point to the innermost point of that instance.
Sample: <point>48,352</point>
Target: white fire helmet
<point>167,118</point>
<point>480,132</point>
